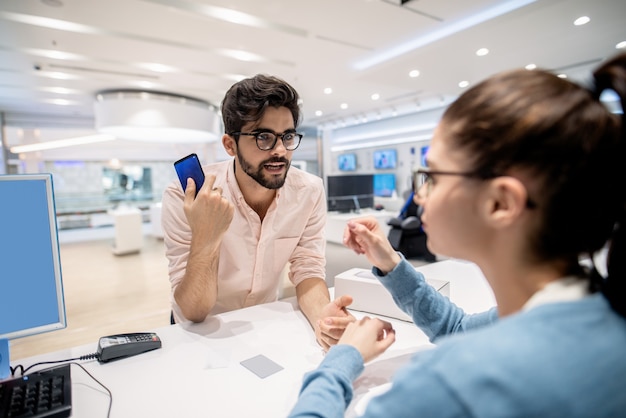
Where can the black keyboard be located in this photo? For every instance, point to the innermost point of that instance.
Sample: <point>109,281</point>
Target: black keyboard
<point>47,393</point>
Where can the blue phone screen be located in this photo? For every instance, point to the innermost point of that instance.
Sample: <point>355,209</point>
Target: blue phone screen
<point>189,166</point>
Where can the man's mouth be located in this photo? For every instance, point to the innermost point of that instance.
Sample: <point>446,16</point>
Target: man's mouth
<point>274,167</point>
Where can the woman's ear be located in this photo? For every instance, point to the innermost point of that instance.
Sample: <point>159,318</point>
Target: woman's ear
<point>229,145</point>
<point>506,200</point>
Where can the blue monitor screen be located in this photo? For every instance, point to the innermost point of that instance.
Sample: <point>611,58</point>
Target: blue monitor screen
<point>30,281</point>
<point>384,159</point>
<point>423,152</point>
<point>347,162</point>
<point>384,185</point>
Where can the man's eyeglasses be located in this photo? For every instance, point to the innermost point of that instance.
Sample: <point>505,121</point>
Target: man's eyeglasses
<point>423,181</point>
<point>266,141</point>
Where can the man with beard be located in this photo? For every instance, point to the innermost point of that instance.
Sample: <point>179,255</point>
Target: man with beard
<point>228,246</point>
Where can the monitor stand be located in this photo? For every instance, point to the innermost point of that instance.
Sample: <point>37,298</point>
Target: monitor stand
<point>357,207</point>
<point>5,370</point>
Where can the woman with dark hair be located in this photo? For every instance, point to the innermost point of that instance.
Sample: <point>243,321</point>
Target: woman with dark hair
<point>525,178</point>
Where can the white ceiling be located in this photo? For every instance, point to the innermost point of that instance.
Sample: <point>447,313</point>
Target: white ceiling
<point>313,44</point>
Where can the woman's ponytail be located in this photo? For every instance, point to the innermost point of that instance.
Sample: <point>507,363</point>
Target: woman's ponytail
<point>612,76</point>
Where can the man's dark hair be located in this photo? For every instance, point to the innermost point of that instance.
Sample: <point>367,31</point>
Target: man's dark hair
<point>247,100</point>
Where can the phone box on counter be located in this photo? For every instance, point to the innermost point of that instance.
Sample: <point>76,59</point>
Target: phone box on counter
<point>371,296</point>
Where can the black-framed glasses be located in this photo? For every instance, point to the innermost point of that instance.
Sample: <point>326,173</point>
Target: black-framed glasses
<point>423,181</point>
<point>266,140</point>
<point>424,177</point>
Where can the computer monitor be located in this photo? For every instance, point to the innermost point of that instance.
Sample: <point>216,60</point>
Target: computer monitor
<point>350,192</point>
<point>30,266</point>
<point>384,185</point>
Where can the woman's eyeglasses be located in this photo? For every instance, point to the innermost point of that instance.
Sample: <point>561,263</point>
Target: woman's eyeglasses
<point>423,181</point>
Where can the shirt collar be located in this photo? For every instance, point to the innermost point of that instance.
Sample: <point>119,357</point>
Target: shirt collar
<point>563,290</point>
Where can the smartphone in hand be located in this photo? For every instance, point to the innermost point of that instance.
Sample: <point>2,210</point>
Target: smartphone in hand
<point>190,166</point>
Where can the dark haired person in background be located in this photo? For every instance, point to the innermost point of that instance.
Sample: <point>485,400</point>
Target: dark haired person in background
<point>525,176</point>
<point>228,246</point>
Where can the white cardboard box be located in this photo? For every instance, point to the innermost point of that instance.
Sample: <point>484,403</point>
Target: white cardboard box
<point>371,296</point>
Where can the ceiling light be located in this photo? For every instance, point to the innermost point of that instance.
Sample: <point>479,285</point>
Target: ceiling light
<point>328,90</point>
<point>621,45</point>
<point>61,102</point>
<point>54,54</point>
<point>59,90</point>
<point>318,113</point>
<point>414,73</point>
<point>583,20</point>
<point>60,143</point>
<point>157,68</point>
<point>384,142</point>
<point>375,96</point>
<point>531,67</point>
<point>482,52</point>
<point>57,75</point>
<point>445,31</point>
<point>241,55</point>
<point>344,106</point>
<point>155,117</point>
<point>562,76</point>
<point>145,84</point>
<point>463,84</point>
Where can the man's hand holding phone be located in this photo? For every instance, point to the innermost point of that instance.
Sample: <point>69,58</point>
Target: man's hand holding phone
<point>208,213</point>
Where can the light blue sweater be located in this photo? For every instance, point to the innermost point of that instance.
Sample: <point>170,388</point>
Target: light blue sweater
<point>565,359</point>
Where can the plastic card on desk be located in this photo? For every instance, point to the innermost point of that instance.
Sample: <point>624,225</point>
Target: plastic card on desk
<point>371,296</point>
<point>261,366</point>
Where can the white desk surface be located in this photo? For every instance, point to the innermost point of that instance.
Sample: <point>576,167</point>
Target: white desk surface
<point>197,372</point>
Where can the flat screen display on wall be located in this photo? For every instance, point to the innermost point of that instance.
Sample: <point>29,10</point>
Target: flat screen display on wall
<point>347,162</point>
<point>385,159</point>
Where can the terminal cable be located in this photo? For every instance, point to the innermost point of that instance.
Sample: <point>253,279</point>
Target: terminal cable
<point>91,356</point>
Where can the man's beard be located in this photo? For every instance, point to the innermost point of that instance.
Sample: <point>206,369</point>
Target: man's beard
<point>273,182</point>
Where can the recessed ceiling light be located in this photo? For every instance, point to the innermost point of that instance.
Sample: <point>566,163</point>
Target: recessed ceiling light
<point>344,105</point>
<point>621,45</point>
<point>318,113</point>
<point>463,84</point>
<point>328,90</point>
<point>531,67</point>
<point>562,76</point>
<point>375,96</point>
<point>158,68</point>
<point>414,73</point>
<point>482,52</point>
<point>583,20</point>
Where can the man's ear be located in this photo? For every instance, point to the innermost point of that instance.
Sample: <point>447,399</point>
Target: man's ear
<point>229,145</point>
<point>506,200</point>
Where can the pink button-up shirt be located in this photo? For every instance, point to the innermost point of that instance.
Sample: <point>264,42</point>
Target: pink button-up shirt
<point>253,253</point>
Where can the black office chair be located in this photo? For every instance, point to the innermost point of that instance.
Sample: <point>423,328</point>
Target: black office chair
<point>406,234</point>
